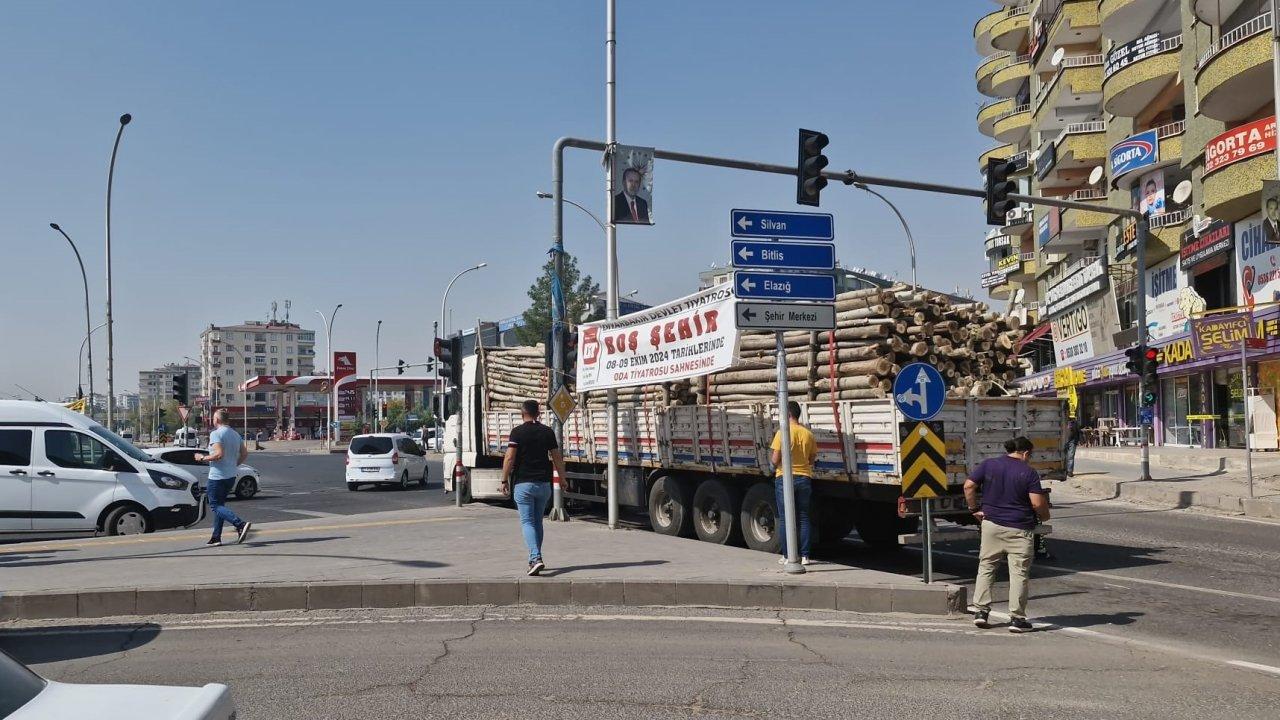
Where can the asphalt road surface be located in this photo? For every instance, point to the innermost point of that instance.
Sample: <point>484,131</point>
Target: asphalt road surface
<point>645,664</point>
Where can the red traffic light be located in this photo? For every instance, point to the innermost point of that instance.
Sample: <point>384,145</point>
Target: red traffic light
<point>1152,354</point>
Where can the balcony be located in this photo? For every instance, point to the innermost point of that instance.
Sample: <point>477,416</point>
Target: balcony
<point>1000,152</point>
<point>987,69</point>
<point>1233,76</point>
<point>1129,87</point>
<point>1233,192</point>
<point>1169,137</point>
<point>1081,147</point>
<point>1018,220</point>
<point>1074,24</point>
<point>1079,226</point>
<point>1166,234</point>
<point>996,243</point>
<point>1006,81</point>
<point>1214,12</point>
<point>1026,270</point>
<point>1073,95</point>
<point>1009,31</point>
<point>1125,20</point>
<point>988,113</point>
<point>1014,125</point>
<point>982,31</point>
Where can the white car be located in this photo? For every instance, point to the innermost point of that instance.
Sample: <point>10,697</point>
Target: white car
<point>248,479</point>
<point>385,459</point>
<point>66,474</point>
<point>27,696</point>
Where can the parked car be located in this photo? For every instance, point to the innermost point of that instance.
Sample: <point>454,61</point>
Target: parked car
<point>248,479</point>
<point>385,459</point>
<point>66,474</point>
<point>25,695</point>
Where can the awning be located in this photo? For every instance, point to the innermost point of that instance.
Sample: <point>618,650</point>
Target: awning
<point>1034,335</point>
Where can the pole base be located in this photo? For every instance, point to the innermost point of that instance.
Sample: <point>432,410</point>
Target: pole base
<point>793,568</point>
<point>559,515</point>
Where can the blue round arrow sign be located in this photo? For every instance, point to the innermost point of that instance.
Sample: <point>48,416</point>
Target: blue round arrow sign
<point>919,391</point>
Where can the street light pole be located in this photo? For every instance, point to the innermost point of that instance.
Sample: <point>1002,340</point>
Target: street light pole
<point>911,241</point>
<point>331,397</point>
<point>111,347</point>
<point>377,411</point>
<point>88,330</point>
<point>444,333</point>
<point>80,365</point>
<point>611,236</point>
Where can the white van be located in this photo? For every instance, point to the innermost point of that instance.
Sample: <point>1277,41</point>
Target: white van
<point>62,473</point>
<point>385,459</point>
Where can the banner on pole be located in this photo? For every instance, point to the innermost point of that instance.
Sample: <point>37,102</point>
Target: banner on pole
<point>692,336</point>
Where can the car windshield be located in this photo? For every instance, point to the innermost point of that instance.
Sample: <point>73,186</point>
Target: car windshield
<point>370,445</point>
<point>124,446</point>
<point>18,685</point>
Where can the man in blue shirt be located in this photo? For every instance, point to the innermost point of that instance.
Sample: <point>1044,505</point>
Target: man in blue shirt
<point>226,451</point>
<point>1012,503</point>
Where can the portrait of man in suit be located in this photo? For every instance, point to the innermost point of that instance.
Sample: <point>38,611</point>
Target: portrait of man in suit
<point>628,205</point>
<point>1271,221</point>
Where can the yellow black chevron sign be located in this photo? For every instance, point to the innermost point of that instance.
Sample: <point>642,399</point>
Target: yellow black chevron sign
<point>923,454</point>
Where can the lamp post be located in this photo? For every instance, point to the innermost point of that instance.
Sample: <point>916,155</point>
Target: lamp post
<point>111,348</point>
<point>377,342</point>
<point>444,333</point>
<point>332,396</point>
<point>80,365</point>
<point>88,330</point>
<point>911,241</point>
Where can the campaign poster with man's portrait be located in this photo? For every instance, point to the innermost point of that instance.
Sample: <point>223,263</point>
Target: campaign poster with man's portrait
<point>1152,185</point>
<point>1271,211</point>
<point>632,188</point>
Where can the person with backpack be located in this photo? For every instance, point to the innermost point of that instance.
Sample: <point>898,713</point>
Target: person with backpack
<point>532,453</point>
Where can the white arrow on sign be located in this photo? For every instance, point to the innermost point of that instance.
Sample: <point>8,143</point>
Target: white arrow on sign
<point>922,382</point>
<point>744,223</point>
<point>747,284</point>
<point>745,254</point>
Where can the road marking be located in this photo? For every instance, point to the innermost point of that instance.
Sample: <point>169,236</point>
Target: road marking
<point>1255,666</point>
<point>309,513</point>
<point>20,548</point>
<point>1126,578</point>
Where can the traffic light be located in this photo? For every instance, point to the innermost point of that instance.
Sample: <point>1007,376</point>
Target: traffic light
<point>1134,363</point>
<point>180,389</point>
<point>448,354</point>
<point>809,166</point>
<point>400,367</point>
<point>998,188</point>
<point>570,352</point>
<point>1150,363</point>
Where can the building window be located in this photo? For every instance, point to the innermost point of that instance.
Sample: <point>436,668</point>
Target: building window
<point>229,397</point>
<point>230,372</point>
<point>288,361</point>
<point>248,348</point>
<point>275,361</point>
<point>275,348</point>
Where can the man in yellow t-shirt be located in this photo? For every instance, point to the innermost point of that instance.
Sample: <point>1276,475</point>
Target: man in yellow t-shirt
<point>803,453</point>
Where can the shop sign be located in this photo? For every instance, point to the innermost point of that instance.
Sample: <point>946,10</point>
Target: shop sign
<point>1083,283</point>
<point>1072,341</point>
<point>1240,143</point>
<point>1037,383</point>
<point>1045,161</point>
<point>1009,264</point>
<point>993,279</point>
<point>1165,317</point>
<point>1042,230</point>
<point>1220,334</point>
<point>1208,243</point>
<point>1178,352</point>
<point>1131,52</point>
<point>1104,372</point>
<point>1135,152</point>
<point>1065,377</point>
<point>1257,263</point>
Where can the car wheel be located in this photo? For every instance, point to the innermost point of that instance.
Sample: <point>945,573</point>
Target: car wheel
<point>353,486</point>
<point>404,480</point>
<point>127,520</point>
<point>423,481</point>
<point>247,488</point>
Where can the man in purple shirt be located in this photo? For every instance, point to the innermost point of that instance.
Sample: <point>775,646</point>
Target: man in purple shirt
<point>1012,503</point>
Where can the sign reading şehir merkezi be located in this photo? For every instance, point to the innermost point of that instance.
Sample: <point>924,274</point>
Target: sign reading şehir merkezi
<point>1135,152</point>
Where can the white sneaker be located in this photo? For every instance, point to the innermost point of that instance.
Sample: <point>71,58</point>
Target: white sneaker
<point>782,560</point>
<point>805,561</point>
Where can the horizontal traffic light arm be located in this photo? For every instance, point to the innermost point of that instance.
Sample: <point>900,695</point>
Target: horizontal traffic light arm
<point>406,365</point>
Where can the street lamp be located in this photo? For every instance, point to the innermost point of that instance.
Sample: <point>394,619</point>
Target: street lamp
<point>88,330</point>
<point>548,196</point>
<point>111,347</point>
<point>911,241</point>
<point>377,363</point>
<point>444,333</point>
<point>332,398</point>
<point>80,365</point>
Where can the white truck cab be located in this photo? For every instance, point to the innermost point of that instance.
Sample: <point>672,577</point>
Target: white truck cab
<point>62,473</point>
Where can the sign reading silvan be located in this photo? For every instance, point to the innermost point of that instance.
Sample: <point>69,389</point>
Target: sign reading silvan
<point>1077,286</point>
<point>1209,243</point>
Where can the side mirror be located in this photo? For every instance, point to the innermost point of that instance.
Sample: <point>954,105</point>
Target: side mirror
<point>113,462</point>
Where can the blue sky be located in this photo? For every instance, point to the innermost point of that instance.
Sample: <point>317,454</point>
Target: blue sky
<point>327,152</point>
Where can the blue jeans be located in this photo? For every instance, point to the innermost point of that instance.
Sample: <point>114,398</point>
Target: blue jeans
<point>804,491</point>
<point>532,498</point>
<point>217,490</point>
<point>1069,455</point>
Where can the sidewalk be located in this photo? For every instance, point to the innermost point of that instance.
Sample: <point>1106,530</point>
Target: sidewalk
<point>1183,477</point>
<point>437,556</point>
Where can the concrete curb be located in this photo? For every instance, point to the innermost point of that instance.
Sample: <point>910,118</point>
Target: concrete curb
<point>937,599</point>
<point>1203,461</point>
<point>1155,494</point>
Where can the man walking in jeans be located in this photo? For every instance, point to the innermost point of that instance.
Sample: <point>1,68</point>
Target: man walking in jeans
<point>226,451</point>
<point>532,450</point>
<point>803,452</point>
<point>1012,503</point>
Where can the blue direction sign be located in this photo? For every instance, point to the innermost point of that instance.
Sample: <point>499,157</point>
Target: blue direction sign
<point>919,391</point>
<point>771,255</point>
<point>784,286</point>
<point>781,225</point>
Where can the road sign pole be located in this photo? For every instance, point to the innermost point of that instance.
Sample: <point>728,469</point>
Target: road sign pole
<point>926,506</point>
<point>1248,424</point>
<point>793,566</point>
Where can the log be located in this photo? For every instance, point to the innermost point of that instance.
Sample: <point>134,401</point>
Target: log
<point>871,311</point>
<point>882,366</point>
<point>855,383</point>
<point>765,375</point>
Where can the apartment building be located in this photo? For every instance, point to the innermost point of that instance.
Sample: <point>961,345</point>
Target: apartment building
<point>1162,106</point>
<point>232,354</point>
<point>156,385</point>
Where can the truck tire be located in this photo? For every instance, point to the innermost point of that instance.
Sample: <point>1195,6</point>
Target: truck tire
<point>835,520</point>
<point>670,507</point>
<point>715,513</point>
<point>877,524</point>
<point>758,518</point>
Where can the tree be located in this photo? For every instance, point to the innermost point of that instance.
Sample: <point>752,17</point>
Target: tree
<point>579,297</point>
<point>395,415</point>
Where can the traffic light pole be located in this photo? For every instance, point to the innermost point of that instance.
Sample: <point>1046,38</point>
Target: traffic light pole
<point>1140,254</point>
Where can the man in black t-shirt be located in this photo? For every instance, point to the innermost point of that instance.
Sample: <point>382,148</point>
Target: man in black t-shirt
<point>532,451</point>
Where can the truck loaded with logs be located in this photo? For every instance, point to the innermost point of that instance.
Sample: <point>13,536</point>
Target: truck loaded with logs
<point>694,454</point>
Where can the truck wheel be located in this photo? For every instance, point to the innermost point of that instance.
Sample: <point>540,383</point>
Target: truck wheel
<point>877,524</point>
<point>670,507</point>
<point>835,520</point>
<point>715,513</point>
<point>759,518</point>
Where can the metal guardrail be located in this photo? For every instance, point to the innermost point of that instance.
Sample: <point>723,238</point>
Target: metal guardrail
<point>1089,194</point>
<point>1077,61</point>
<point>1256,26</point>
<point>1173,128</point>
<point>1166,45</point>
<point>1025,107</point>
<point>1176,217</point>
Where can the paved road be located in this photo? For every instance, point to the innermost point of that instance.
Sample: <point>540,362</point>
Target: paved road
<point>558,663</point>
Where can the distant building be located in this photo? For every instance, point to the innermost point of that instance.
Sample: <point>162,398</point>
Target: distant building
<point>157,385</point>
<point>232,354</point>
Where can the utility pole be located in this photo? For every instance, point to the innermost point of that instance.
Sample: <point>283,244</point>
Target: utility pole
<point>111,341</point>
<point>611,235</point>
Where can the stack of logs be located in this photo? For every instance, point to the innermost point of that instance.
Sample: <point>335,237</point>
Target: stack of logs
<point>878,331</point>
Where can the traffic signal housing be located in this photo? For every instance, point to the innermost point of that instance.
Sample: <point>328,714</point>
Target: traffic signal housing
<point>400,367</point>
<point>448,355</point>
<point>998,189</point>
<point>181,390</point>
<point>809,166</point>
<point>1135,357</point>
<point>1150,364</point>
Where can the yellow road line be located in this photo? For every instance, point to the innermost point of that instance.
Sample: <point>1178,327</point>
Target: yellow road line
<point>187,536</point>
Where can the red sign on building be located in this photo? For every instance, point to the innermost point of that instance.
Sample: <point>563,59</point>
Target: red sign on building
<point>344,364</point>
<point>1240,143</point>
